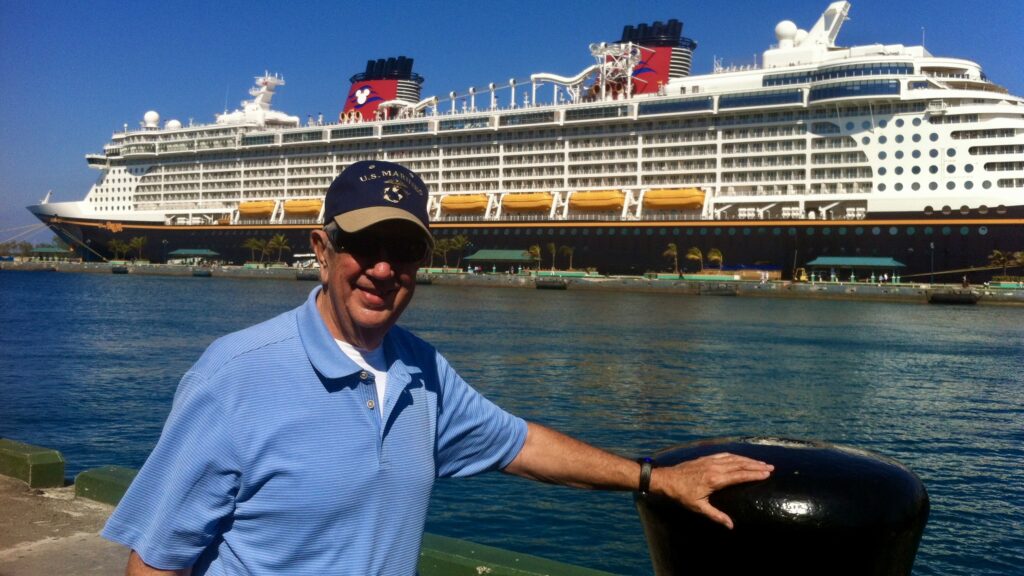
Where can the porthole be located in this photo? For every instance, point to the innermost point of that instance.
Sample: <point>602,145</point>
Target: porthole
<point>951,152</point>
<point>865,140</point>
<point>718,231</point>
<point>965,210</point>
<point>858,231</point>
<point>650,231</point>
<point>928,210</point>
<point>899,170</point>
<point>776,231</point>
<point>732,231</point>
<point>928,231</point>
<point>842,230</point>
<point>950,185</point>
<point>986,184</point>
<point>933,185</point>
<point>933,137</point>
<point>882,155</point>
<point>899,138</point>
<point>982,209</point>
<point>916,153</point>
<point>969,184</point>
<point>983,230</point>
<point>899,186</point>
<point>746,231</point>
<point>849,126</point>
<point>703,231</point>
<point>876,231</point>
<point>916,138</point>
<point>1000,209</point>
<point>964,230</point>
<point>881,187</point>
<point>917,121</point>
<point>893,231</point>
<point>865,125</point>
<point>915,186</point>
<point>899,154</point>
<point>951,168</point>
<point>882,139</point>
<point>969,168</point>
<point>947,210</point>
<point>792,231</point>
<point>916,170</point>
<point>810,231</point>
<point>946,230</point>
<point>883,123</point>
<point>882,171</point>
<point>911,230</point>
<point>826,231</point>
<point>933,169</point>
<point>689,231</point>
<point>899,122</point>
<point>933,153</point>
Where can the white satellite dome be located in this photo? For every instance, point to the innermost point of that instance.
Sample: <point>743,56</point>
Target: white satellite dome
<point>173,125</point>
<point>151,119</point>
<point>785,32</point>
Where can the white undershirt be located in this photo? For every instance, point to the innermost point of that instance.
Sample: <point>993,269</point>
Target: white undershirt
<point>372,361</point>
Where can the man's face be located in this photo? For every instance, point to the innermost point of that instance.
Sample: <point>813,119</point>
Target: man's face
<point>369,279</point>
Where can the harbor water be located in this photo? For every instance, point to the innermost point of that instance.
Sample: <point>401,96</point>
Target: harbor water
<point>89,363</point>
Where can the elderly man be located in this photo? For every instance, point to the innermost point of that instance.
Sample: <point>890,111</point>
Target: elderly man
<point>309,444</point>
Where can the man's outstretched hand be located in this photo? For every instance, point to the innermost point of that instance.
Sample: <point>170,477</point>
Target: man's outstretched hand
<point>692,482</point>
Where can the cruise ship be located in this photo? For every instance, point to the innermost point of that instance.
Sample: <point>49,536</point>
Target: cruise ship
<point>881,150</point>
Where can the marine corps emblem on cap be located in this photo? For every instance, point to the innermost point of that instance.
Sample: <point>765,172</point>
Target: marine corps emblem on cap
<point>372,191</point>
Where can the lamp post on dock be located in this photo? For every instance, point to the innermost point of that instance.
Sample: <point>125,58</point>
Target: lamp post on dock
<point>932,246</point>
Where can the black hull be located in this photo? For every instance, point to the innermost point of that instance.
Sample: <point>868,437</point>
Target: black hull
<point>948,247</point>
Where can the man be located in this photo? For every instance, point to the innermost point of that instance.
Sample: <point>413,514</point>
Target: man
<point>309,444</point>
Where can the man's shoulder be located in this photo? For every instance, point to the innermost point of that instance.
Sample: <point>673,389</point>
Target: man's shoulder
<point>408,342</point>
<point>256,344</point>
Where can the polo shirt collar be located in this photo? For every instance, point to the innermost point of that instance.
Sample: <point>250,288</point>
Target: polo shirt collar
<point>329,360</point>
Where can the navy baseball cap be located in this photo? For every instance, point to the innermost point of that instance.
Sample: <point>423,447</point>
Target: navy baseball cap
<point>373,191</point>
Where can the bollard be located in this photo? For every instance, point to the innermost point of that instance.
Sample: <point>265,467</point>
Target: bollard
<point>826,509</point>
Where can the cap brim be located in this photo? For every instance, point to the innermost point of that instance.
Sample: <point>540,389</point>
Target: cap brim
<point>358,220</point>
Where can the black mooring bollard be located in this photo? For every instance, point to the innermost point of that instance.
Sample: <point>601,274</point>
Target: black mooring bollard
<point>826,509</point>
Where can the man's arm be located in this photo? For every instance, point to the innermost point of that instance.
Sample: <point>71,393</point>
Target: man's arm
<point>136,567</point>
<point>553,457</point>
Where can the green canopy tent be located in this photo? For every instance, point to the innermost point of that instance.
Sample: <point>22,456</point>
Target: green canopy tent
<point>500,257</point>
<point>855,264</point>
<point>191,255</point>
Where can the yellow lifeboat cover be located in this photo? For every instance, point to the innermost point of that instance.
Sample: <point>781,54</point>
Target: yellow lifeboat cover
<point>306,207</point>
<point>464,203</point>
<point>674,198</point>
<point>598,200</point>
<point>527,201</point>
<point>256,208</point>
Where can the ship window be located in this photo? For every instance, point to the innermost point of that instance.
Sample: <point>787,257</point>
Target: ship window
<point>916,169</point>
<point>865,140</point>
<point>826,231</point>
<point>703,231</point>
<point>951,168</point>
<point>776,231</point>
<point>915,186</point>
<point>950,185</point>
<point>951,152</point>
<point>933,153</point>
<point>986,184</point>
<point>876,231</point>
<point>916,153</point>
<point>881,187</point>
<point>947,210</point>
<point>933,137</point>
<point>883,123</point>
<point>911,230</point>
<point>718,231</point>
<point>933,186</point>
<point>882,139</point>
<point>899,186</point>
<point>982,209</point>
<point>849,125</point>
<point>969,168</point>
<point>882,155</point>
<point>810,231</point>
<point>928,231</point>
<point>899,138</point>
<point>881,171</point>
<point>893,231</point>
<point>792,231</point>
<point>916,137</point>
<point>933,169</point>
<point>842,230</point>
<point>899,122</point>
<point>965,210</point>
<point>964,230</point>
<point>983,230</point>
<point>746,231</point>
<point>689,231</point>
<point>865,125</point>
<point>858,231</point>
<point>899,170</point>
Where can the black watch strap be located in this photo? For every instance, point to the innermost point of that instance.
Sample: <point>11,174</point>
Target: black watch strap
<point>646,465</point>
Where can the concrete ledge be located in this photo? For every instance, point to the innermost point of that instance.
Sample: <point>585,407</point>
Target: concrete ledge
<point>107,484</point>
<point>443,556</point>
<point>39,467</point>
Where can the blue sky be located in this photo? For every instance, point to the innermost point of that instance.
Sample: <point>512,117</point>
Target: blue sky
<point>77,71</point>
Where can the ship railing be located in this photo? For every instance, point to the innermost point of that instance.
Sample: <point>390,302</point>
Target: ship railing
<point>669,215</point>
<point>594,216</point>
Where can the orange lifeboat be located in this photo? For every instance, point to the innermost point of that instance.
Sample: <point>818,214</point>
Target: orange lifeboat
<point>598,200</point>
<point>256,209</point>
<point>464,203</point>
<point>674,199</point>
<point>303,207</point>
<point>530,202</point>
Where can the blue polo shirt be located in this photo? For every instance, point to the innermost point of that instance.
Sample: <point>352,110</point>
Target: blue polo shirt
<point>274,459</point>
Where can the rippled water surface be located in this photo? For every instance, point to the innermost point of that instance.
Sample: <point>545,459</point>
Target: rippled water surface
<point>88,365</point>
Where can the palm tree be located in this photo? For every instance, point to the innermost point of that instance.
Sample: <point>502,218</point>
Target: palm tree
<point>715,255</point>
<point>280,243</point>
<point>534,252</point>
<point>118,247</point>
<point>672,251</point>
<point>254,245</point>
<point>567,251</point>
<point>552,249</point>
<point>441,248</point>
<point>458,244</point>
<point>1000,258</point>
<point>138,243</point>
<point>695,254</point>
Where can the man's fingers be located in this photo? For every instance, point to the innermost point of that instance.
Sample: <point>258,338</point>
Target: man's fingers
<point>715,514</point>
